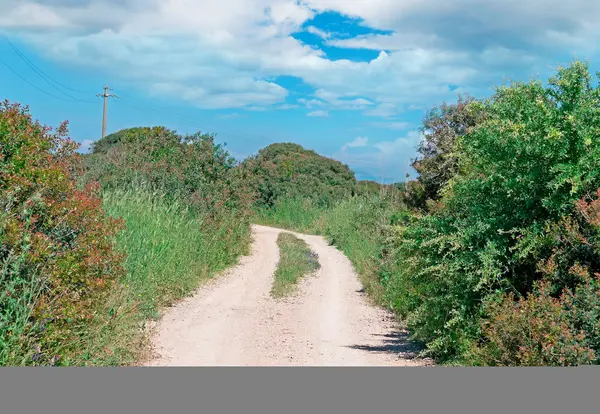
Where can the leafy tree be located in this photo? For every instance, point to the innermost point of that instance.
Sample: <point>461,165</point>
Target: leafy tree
<point>437,162</point>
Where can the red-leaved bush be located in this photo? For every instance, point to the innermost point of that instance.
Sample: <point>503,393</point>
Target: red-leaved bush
<point>558,323</point>
<point>539,330</point>
<point>56,253</point>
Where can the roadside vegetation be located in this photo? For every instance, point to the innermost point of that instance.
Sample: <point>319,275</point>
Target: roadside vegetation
<point>94,246</point>
<point>490,257</point>
<point>286,170</point>
<point>296,260</point>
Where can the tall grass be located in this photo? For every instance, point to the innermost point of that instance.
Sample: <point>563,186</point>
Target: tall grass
<point>301,215</point>
<point>170,250</point>
<point>18,296</point>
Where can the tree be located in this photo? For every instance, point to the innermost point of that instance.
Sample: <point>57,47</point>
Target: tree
<point>437,162</point>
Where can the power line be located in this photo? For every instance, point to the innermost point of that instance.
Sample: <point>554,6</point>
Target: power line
<point>31,63</point>
<point>45,76</point>
<point>48,79</point>
<point>28,82</point>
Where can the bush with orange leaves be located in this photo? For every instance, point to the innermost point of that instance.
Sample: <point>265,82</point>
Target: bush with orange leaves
<point>538,330</point>
<point>558,322</point>
<point>57,254</point>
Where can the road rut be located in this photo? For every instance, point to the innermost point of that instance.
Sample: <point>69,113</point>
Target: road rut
<point>233,321</point>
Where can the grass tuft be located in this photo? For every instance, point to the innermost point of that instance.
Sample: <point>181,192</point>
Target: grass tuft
<point>296,260</point>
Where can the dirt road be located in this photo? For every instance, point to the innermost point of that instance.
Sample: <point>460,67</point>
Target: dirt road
<point>233,321</point>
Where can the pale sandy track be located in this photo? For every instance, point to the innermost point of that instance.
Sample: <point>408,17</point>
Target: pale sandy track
<point>233,321</point>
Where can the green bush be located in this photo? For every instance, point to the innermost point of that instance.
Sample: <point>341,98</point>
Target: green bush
<point>189,168</point>
<point>289,171</point>
<point>520,174</point>
<point>542,329</point>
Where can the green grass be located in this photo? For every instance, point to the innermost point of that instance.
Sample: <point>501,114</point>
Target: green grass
<point>15,310</point>
<point>170,251</point>
<point>296,260</point>
<point>293,214</point>
<point>353,226</point>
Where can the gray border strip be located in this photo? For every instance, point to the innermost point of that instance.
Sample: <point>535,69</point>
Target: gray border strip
<point>299,390</point>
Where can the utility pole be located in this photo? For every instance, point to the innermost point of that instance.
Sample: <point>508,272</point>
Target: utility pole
<point>105,95</point>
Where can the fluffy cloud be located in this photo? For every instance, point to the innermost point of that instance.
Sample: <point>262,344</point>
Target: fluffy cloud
<point>393,125</point>
<point>356,143</point>
<point>220,53</point>
<point>388,158</point>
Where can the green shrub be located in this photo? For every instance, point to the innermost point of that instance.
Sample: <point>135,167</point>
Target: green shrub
<point>289,171</point>
<point>189,168</point>
<point>506,211</point>
<point>536,331</point>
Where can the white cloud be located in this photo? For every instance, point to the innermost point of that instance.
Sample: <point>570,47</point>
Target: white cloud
<point>220,53</point>
<point>318,113</point>
<point>393,125</point>
<point>406,144</point>
<point>311,103</point>
<point>391,158</point>
<point>321,33</point>
<point>31,15</point>
<point>356,143</point>
<point>383,110</point>
<point>86,146</point>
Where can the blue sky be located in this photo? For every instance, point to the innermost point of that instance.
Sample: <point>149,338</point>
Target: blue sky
<point>350,79</point>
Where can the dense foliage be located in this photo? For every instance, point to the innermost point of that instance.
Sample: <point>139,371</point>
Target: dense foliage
<point>437,160</point>
<point>76,284</point>
<point>508,221</point>
<point>290,171</point>
<point>57,254</point>
<point>186,208</point>
<point>192,168</point>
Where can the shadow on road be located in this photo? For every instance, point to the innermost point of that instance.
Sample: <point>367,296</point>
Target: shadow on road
<point>396,343</point>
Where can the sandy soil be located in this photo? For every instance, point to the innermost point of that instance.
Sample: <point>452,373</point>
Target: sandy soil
<point>233,321</point>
